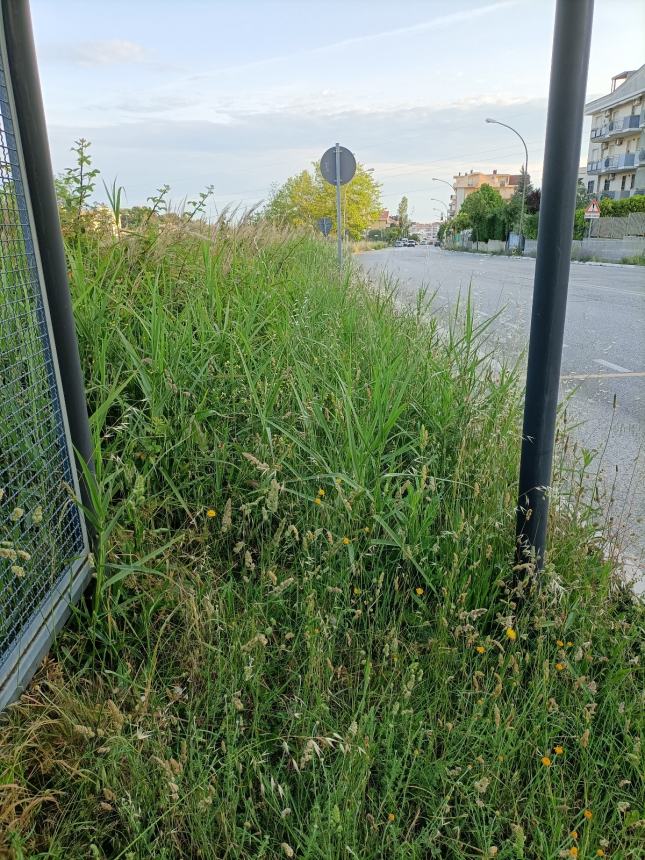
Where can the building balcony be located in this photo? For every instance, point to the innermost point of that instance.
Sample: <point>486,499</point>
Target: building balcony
<point>612,163</point>
<point>625,124</point>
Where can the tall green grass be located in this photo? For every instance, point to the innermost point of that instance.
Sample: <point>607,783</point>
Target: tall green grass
<point>302,639</point>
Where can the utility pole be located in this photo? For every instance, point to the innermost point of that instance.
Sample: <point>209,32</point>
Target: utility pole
<point>569,64</point>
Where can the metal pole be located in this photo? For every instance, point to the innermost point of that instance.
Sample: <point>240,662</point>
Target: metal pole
<point>569,63</point>
<point>339,235</point>
<point>526,171</point>
<point>21,55</point>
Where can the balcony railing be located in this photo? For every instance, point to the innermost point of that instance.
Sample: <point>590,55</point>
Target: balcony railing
<point>612,162</point>
<point>626,123</point>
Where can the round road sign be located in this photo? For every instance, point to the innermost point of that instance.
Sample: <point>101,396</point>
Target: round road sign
<point>347,165</point>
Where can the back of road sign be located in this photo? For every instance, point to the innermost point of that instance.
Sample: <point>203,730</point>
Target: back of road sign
<point>347,165</point>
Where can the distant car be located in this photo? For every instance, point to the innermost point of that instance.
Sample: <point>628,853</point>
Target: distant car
<point>411,243</point>
<point>399,243</point>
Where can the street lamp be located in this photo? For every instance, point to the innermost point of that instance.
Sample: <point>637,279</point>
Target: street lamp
<point>436,200</point>
<point>450,185</point>
<point>526,168</point>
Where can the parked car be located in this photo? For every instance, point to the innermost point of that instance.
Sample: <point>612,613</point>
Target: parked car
<point>399,243</point>
<point>411,243</point>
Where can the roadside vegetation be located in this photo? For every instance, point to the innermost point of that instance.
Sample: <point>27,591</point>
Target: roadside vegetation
<point>306,637</point>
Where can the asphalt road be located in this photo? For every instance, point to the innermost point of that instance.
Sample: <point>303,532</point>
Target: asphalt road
<point>603,356</point>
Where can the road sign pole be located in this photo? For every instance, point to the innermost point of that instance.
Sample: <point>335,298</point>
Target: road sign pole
<point>569,63</point>
<point>338,218</point>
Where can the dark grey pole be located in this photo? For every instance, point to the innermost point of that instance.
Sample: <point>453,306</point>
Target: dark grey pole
<point>30,115</point>
<point>569,62</point>
<point>339,235</point>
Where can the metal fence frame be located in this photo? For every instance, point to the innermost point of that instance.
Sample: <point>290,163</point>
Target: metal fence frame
<point>43,242</point>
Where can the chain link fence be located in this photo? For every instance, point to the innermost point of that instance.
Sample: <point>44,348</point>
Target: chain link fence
<point>43,542</point>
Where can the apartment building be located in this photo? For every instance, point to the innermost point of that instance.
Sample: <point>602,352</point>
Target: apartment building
<point>616,160</point>
<point>466,183</point>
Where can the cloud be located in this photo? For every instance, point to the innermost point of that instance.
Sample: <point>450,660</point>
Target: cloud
<point>413,29</point>
<point>109,52</point>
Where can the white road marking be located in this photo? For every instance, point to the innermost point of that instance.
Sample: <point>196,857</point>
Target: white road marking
<point>612,366</point>
<point>629,374</point>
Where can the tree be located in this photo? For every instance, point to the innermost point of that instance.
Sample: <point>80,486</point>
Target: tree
<point>403,218</point>
<point>582,195</point>
<point>485,212</point>
<point>307,197</point>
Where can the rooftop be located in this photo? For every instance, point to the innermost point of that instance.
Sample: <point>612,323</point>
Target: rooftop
<point>633,86</point>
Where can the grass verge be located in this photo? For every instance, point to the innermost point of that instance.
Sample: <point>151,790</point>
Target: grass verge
<point>302,641</point>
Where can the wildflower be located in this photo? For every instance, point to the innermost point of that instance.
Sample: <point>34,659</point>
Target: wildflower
<point>569,644</point>
<point>546,761</point>
<point>574,834</point>
<point>17,570</point>
<point>321,492</point>
<point>367,530</point>
<point>419,590</point>
<point>210,513</point>
<point>559,643</point>
<point>37,516</point>
<point>357,590</point>
<point>588,814</point>
<point>317,501</point>
<point>480,649</point>
<point>288,850</point>
<point>600,853</point>
<point>16,514</point>
<point>511,634</point>
<point>558,750</point>
<point>346,540</point>
<point>391,816</point>
<point>559,666</point>
<point>573,852</point>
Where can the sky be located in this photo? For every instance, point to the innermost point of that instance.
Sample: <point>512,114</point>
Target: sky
<point>240,95</point>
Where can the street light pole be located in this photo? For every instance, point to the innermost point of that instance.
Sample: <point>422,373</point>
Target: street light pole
<point>436,200</point>
<point>454,191</point>
<point>526,172</point>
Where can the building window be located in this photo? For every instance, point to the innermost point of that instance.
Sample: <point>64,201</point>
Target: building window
<point>606,185</point>
<point>623,183</point>
<point>633,182</point>
<point>590,186</point>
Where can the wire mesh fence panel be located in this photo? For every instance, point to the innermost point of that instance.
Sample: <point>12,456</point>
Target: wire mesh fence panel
<point>43,542</point>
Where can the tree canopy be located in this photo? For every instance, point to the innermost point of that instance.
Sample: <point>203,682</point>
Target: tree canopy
<point>305,198</point>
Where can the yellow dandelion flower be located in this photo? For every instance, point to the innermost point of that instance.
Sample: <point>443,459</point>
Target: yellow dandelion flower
<point>559,666</point>
<point>574,834</point>
<point>600,853</point>
<point>558,749</point>
<point>546,761</point>
<point>573,852</point>
<point>511,634</point>
<point>210,513</point>
<point>346,540</point>
<point>559,643</point>
<point>480,649</point>
<point>321,492</point>
<point>317,500</point>
<point>391,816</point>
<point>357,590</point>
<point>588,814</point>
<point>569,644</point>
<point>367,530</point>
<point>419,590</point>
